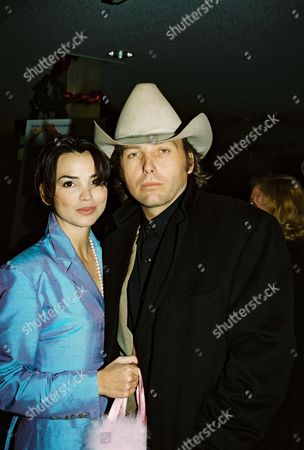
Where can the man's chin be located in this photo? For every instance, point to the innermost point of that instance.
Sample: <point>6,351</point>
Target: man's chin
<point>154,202</point>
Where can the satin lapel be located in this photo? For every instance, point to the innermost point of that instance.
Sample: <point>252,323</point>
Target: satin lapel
<point>167,254</point>
<point>65,255</point>
<point>83,280</point>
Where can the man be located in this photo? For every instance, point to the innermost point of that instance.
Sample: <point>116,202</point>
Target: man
<point>197,285</point>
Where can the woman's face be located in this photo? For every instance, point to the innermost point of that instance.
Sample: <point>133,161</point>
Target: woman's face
<point>79,198</point>
<point>257,198</point>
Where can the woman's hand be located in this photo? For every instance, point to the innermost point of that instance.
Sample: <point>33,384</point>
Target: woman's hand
<point>119,378</point>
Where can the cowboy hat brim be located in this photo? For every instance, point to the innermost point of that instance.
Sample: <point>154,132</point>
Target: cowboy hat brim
<point>198,132</point>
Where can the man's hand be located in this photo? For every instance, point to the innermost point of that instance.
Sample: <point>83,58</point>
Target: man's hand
<point>119,378</point>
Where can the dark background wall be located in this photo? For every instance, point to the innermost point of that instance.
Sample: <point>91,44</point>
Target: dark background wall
<point>241,61</point>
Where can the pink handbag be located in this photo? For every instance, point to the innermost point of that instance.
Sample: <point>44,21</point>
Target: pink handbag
<point>116,431</point>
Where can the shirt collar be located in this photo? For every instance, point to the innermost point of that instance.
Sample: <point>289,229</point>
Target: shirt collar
<point>158,224</point>
<point>130,213</point>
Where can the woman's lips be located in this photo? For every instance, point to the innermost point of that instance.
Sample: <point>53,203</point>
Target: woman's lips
<point>87,210</point>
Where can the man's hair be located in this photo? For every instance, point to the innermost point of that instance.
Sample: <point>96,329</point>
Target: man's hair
<point>45,174</point>
<point>284,199</point>
<point>121,191</point>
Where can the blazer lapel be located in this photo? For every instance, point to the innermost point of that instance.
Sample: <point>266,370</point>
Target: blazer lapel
<point>124,335</point>
<point>66,255</point>
<point>82,279</point>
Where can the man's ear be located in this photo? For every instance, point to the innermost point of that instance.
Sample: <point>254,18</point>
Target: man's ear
<point>42,195</point>
<point>190,162</point>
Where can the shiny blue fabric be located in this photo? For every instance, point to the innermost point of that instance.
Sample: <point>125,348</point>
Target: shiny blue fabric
<point>51,344</point>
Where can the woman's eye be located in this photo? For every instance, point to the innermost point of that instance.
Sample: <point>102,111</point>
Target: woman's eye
<point>164,150</point>
<point>96,182</point>
<point>68,184</point>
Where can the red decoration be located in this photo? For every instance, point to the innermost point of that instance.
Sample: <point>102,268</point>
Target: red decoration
<point>92,97</point>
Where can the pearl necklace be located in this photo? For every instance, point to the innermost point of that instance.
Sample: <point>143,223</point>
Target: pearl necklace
<point>97,266</point>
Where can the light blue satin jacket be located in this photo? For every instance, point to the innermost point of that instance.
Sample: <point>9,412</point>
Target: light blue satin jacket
<point>51,343</point>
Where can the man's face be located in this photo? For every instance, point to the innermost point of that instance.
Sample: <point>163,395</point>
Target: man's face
<point>155,174</point>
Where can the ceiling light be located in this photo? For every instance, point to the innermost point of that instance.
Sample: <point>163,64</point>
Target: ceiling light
<point>120,54</point>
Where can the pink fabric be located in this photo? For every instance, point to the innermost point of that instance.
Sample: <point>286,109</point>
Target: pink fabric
<point>118,409</point>
<point>118,431</point>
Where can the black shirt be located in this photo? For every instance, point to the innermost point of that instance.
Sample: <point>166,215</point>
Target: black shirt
<point>150,234</point>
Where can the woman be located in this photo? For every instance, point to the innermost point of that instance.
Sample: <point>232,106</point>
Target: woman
<point>52,310</point>
<point>283,197</point>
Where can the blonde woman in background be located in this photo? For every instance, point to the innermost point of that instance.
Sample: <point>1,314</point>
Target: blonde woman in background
<point>283,197</point>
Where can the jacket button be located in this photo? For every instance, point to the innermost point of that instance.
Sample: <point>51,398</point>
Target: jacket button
<point>151,309</point>
<point>153,393</point>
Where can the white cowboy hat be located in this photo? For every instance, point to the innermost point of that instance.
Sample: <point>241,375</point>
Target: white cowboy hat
<point>147,117</point>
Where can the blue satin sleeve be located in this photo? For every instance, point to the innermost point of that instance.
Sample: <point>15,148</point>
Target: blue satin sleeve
<point>65,393</point>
